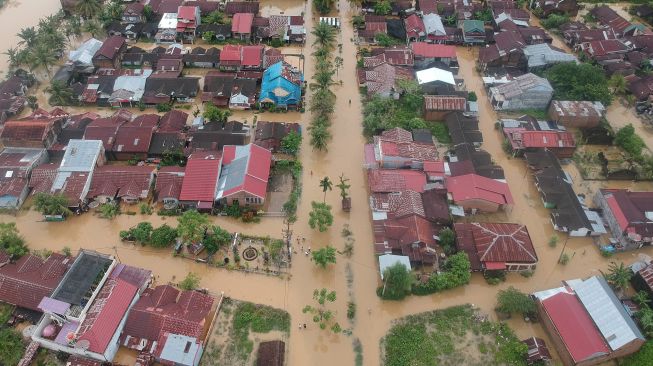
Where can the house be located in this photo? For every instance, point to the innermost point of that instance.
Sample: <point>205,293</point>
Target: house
<point>382,79</point>
<point>241,26</point>
<point>526,136</point>
<point>587,323</point>
<point>609,18</point>
<point>543,55</point>
<point>537,351</point>
<point>463,129</point>
<point>475,193</point>
<point>203,58</point>
<point>220,31</point>
<point>568,211</point>
<point>434,28</point>
<point>395,180</point>
<point>167,29</point>
<point>129,31</point>
<point>217,88</point>
<point>523,92</point>
<point>432,78</point>
<point>244,175</point>
<point>436,107</point>
<point>473,31</point>
<point>243,94</point>
<point>200,183</point>
<point>176,349</point>
<point>106,129</point>
<point>85,318</point>
<point>169,137</point>
<point>128,183</point>
<point>284,27</point>
<point>128,89</point>
<point>395,56</point>
<point>642,279</point>
<point>374,24</point>
<point>163,312</point>
<point>580,114</point>
<point>427,53</point>
<point>167,189</point>
<point>411,236</point>
<point>505,52</point>
<point>252,57</point>
<point>25,281</point>
<point>133,13</point>
<point>230,58</point>
<point>164,90</point>
<point>233,7</point>
<point>109,55</point>
<point>16,165</point>
<point>38,130</point>
<point>282,86</point>
<point>415,28</point>
<point>605,51</point>
<point>213,136</point>
<point>269,135</point>
<point>560,7</point>
<point>82,57</point>
<point>575,37</point>
<point>467,159</point>
<point>642,87</point>
<point>628,214</point>
<point>188,19</point>
<point>395,149</point>
<point>496,246</point>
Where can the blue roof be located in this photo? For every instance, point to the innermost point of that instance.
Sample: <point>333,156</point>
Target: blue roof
<point>277,88</point>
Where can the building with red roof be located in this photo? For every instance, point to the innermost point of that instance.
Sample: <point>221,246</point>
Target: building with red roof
<point>38,130</point>
<point>476,193</point>
<point>133,139</point>
<point>162,310</point>
<point>109,55</point>
<point>125,182</point>
<point>16,165</point>
<point>395,180</point>
<point>496,246</point>
<point>188,19</point>
<point>559,142</point>
<point>629,216</point>
<point>605,50</point>
<point>26,281</point>
<point>395,56</point>
<point>169,180</point>
<point>395,149</point>
<point>233,7</point>
<point>415,29</point>
<point>105,129</point>
<point>199,186</point>
<point>427,53</point>
<point>436,107</point>
<point>411,235</point>
<point>244,175</point>
<point>241,26</point>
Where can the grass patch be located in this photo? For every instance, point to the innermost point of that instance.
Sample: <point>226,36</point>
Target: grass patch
<point>442,337</point>
<point>5,313</point>
<point>258,319</point>
<point>441,132</point>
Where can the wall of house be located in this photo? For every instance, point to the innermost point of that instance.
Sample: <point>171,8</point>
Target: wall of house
<point>530,99</point>
<point>615,230</point>
<point>431,115</point>
<point>518,267</point>
<point>114,344</point>
<point>245,200</point>
<point>478,204</point>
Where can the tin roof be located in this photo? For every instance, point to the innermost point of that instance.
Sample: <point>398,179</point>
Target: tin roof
<point>444,103</point>
<point>201,180</point>
<point>244,168</point>
<point>472,186</point>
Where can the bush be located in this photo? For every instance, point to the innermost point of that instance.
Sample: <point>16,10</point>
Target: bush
<point>583,81</point>
<point>471,96</point>
<point>11,241</point>
<point>163,236</point>
<point>456,272</point>
<point>554,21</point>
<point>351,310</point>
<point>163,107</point>
<point>629,141</point>
<point>564,259</point>
<point>397,282</point>
<point>511,301</point>
<point>191,282</point>
<point>11,347</point>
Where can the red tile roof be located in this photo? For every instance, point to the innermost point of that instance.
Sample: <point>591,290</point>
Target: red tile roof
<point>105,314</point>
<point>231,53</point>
<point>125,181</point>
<point>386,180</point>
<point>200,181</point>
<point>25,282</point>
<point>471,186</point>
<point>414,26</point>
<point>444,103</point>
<point>574,325</point>
<point>431,50</point>
<point>604,47</point>
<point>242,23</point>
<point>131,139</point>
<point>403,233</point>
<point>168,182</point>
<point>36,130</point>
<point>495,242</point>
<point>523,139</point>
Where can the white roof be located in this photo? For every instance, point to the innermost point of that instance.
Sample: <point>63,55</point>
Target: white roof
<point>607,312</point>
<point>332,21</point>
<point>132,83</point>
<point>545,294</point>
<point>85,52</point>
<point>433,25</point>
<point>389,260</point>
<point>81,155</point>
<point>435,74</point>
<point>168,21</point>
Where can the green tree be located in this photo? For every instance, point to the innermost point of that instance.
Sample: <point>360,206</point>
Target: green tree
<point>216,238</point>
<point>163,107</point>
<point>215,114</point>
<point>618,276</point>
<point>214,17</point>
<point>326,185</point>
<point>382,7</point>
<point>11,241</point>
<point>208,36</point>
<point>192,226</point>
<point>32,102</point>
<point>320,216</point>
<point>291,143</point>
<point>554,21</point>
<point>142,232</point>
<point>643,357</point>
<point>43,56</point>
<point>325,35</point>
<point>191,282</point>
<point>324,317</point>
<point>384,40</point>
<point>471,96</point>
<point>447,241</point>
<point>27,37</point>
<point>60,94</point>
<point>163,236</point>
<point>11,347</point>
<point>511,301</point>
<point>111,12</point>
<point>49,204</point>
<point>397,282</point>
<point>582,81</point>
<point>322,257</point>
<point>109,210</point>
<point>148,12</point>
<point>618,84</point>
<point>343,186</point>
<point>629,141</point>
<point>323,6</point>
<point>92,27</point>
<point>13,57</point>
<point>89,8</point>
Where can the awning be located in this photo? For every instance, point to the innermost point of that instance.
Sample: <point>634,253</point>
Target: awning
<point>495,266</point>
<point>55,306</point>
<point>204,204</point>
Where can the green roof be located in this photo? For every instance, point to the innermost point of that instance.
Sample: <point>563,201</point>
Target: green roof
<point>473,25</point>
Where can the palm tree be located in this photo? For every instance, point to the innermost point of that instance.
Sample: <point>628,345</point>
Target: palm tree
<point>60,93</point>
<point>43,56</point>
<point>88,8</point>
<point>323,79</point>
<point>320,135</point>
<point>92,27</point>
<point>27,36</point>
<point>618,276</point>
<point>326,185</point>
<point>13,57</point>
<point>324,35</point>
<point>618,84</point>
<point>73,26</point>
<point>343,186</point>
<point>338,62</point>
<point>641,298</point>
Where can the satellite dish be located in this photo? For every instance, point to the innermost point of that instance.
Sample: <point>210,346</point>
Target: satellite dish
<point>83,344</point>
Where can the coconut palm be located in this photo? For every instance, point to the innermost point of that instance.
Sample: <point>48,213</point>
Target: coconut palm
<point>618,84</point>
<point>43,56</point>
<point>88,8</point>
<point>27,36</point>
<point>326,185</point>
<point>92,27</point>
<point>320,136</point>
<point>13,57</point>
<point>618,276</point>
<point>323,79</point>
<point>73,27</point>
<point>324,35</point>
<point>60,93</point>
<point>343,186</point>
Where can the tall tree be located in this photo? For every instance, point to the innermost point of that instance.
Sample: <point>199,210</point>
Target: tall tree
<point>163,236</point>
<point>49,204</point>
<point>323,6</point>
<point>12,57</point>
<point>27,37</point>
<point>618,276</point>
<point>92,27</point>
<point>324,317</point>
<point>89,8</point>
<point>397,282</point>
<point>326,185</point>
<point>325,35</point>
<point>320,216</point>
<point>60,93</point>
<point>216,238</point>
<point>43,56</point>
<point>322,257</point>
<point>192,226</point>
<point>343,186</point>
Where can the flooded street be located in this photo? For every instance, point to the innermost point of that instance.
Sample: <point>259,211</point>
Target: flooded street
<point>345,156</point>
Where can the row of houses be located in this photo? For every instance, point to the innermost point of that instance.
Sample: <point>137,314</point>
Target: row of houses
<point>89,305</point>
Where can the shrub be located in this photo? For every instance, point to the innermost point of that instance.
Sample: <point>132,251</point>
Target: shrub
<point>471,96</point>
<point>191,282</point>
<point>511,301</point>
<point>163,107</point>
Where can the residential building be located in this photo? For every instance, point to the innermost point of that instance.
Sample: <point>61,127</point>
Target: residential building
<point>25,281</point>
<point>395,149</point>
<point>395,180</point>
<point>282,86</point>
<point>244,175</point>
<point>431,79</point>
<point>169,137</point>
<point>642,279</point>
<point>109,55</point>
<point>243,94</point>
<point>505,52</point>
<point>133,13</point>
<point>641,88</point>
<point>213,136</point>
<point>629,216</point>
<point>543,55</point>
<point>467,159</point>
<point>411,236</point>
<point>587,322</point>
<point>395,56</point>
<point>85,318</point>
<point>374,24</point>
<point>609,18</point>
<point>560,7</point>
<point>133,138</point>
<point>165,90</point>
<point>188,19</point>
<point>427,53</point>
<point>523,92</point>
<point>473,31</point>
<point>475,193</point>
<point>496,246</point>
<point>527,134</point>
<point>415,28</point>
<point>82,56</point>
<point>382,79</point>
<point>16,165</point>
<point>241,26</point>
<point>436,107</point>
<point>463,128</point>
<point>233,7</point>
<point>38,130</point>
<point>202,58</point>
<point>200,184</point>
<point>605,51</point>
<point>128,184</point>
<point>106,129</point>
<point>269,135</point>
<point>434,28</point>
<point>537,351</point>
<point>580,114</point>
<point>169,180</point>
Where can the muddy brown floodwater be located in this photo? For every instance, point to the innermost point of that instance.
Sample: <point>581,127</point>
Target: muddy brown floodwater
<point>345,155</point>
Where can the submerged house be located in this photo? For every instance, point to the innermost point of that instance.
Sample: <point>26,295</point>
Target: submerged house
<point>475,193</point>
<point>244,175</point>
<point>199,186</point>
<point>629,216</point>
<point>282,86</point>
<point>523,92</point>
<point>581,114</point>
<point>130,184</point>
<point>16,165</point>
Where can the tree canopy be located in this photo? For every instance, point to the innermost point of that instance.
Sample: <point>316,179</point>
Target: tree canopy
<point>447,240</point>
<point>583,81</point>
<point>291,143</point>
<point>191,282</point>
<point>215,114</point>
<point>51,204</point>
<point>11,241</point>
<point>324,256</point>
<point>11,347</point>
<point>397,282</point>
<point>512,300</point>
<point>618,276</point>
<point>163,236</point>
<point>192,226</point>
<point>629,141</point>
<point>215,238</point>
<point>320,216</point>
